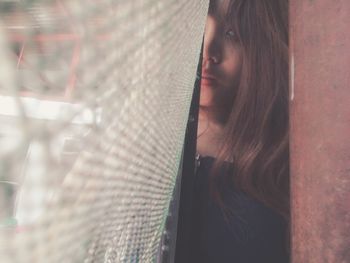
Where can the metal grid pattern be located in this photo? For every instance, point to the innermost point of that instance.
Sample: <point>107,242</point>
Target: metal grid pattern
<point>94,100</point>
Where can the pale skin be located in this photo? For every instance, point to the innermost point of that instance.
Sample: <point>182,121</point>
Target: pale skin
<point>222,60</point>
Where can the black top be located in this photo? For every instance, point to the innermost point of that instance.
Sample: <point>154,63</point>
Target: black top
<point>255,234</point>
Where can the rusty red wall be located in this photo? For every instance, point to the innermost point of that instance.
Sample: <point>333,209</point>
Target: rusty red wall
<point>320,130</point>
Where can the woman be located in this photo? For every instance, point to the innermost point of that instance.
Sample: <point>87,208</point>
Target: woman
<point>242,211</point>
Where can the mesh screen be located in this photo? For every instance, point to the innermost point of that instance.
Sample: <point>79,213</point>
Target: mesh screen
<point>94,101</point>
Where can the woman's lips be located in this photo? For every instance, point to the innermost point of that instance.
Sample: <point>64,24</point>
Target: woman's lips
<point>208,81</point>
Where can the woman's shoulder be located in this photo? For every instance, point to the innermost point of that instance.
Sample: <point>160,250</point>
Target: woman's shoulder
<point>253,233</point>
<point>250,227</point>
<point>235,199</point>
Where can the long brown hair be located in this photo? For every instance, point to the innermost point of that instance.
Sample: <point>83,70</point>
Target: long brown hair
<point>257,128</point>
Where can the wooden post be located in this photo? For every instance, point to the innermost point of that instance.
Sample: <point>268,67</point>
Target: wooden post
<point>320,130</point>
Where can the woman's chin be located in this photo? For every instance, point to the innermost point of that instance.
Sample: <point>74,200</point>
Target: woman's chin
<point>205,101</point>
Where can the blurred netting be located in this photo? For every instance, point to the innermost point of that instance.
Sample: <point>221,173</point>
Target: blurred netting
<point>94,100</point>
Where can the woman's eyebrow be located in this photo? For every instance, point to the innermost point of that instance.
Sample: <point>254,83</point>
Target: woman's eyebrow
<point>227,19</point>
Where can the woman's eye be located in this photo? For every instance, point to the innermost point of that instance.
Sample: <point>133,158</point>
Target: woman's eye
<point>230,33</point>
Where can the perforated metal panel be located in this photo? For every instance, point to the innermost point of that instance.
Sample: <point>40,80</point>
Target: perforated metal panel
<point>94,100</point>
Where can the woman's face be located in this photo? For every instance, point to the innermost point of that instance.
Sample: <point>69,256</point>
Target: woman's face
<point>222,60</point>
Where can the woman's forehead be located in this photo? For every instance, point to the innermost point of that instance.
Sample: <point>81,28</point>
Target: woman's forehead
<point>219,8</point>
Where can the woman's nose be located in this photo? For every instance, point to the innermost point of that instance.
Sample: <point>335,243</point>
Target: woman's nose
<point>211,48</point>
